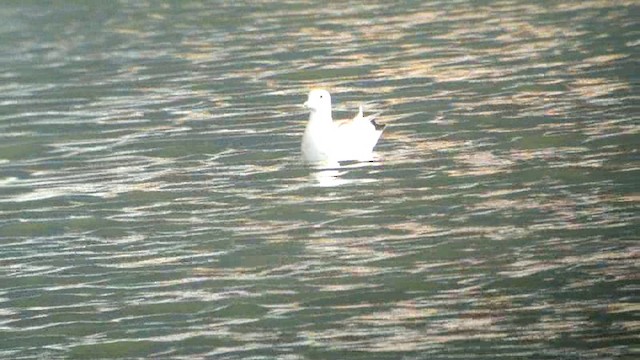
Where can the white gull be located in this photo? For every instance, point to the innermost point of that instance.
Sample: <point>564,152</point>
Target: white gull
<point>326,141</point>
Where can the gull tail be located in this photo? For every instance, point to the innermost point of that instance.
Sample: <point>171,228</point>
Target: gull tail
<point>371,118</point>
<point>378,127</point>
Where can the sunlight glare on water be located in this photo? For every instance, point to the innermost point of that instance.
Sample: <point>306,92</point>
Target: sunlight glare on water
<point>153,203</point>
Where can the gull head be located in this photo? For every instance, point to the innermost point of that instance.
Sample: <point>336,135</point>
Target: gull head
<point>318,100</point>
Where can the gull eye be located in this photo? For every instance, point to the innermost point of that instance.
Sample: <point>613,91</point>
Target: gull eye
<point>320,96</point>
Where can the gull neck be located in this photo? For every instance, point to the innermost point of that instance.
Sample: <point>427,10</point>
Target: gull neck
<point>320,116</point>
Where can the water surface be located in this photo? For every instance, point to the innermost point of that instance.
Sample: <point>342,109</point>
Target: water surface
<point>153,203</point>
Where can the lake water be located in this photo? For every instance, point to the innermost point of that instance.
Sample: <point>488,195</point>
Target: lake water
<point>153,203</point>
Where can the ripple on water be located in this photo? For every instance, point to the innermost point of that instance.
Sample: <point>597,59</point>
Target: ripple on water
<point>152,202</point>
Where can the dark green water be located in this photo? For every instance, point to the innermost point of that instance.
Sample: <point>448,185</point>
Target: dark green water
<point>153,204</point>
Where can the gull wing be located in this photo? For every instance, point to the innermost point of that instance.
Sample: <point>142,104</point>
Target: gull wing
<point>362,122</point>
